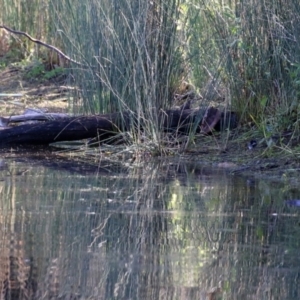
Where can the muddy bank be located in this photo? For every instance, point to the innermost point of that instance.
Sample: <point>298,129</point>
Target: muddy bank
<point>227,151</point>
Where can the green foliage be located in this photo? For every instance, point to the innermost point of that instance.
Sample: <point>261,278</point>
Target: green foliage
<point>251,48</point>
<point>11,51</point>
<point>36,72</point>
<point>54,73</point>
<point>39,73</point>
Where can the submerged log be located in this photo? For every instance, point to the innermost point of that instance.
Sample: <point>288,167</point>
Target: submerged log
<point>108,125</point>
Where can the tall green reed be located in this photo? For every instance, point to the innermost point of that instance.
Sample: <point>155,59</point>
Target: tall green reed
<point>252,49</point>
<point>130,49</point>
<point>31,17</point>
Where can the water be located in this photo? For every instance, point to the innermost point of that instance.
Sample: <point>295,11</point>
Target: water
<point>163,231</point>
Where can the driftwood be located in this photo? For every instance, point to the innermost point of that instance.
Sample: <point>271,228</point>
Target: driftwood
<point>65,128</point>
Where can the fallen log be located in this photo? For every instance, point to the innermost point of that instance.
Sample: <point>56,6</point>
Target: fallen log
<point>5,121</point>
<point>67,129</point>
<point>105,126</point>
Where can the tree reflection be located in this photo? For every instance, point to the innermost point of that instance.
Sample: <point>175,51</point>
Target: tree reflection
<point>165,231</point>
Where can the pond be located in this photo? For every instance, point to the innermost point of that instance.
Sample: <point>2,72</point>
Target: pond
<point>164,230</point>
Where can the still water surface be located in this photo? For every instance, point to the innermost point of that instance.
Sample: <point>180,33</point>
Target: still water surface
<point>162,231</point>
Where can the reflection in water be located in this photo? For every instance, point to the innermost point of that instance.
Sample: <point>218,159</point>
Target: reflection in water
<point>164,231</point>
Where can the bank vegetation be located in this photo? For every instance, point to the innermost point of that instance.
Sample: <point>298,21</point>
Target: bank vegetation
<point>139,55</point>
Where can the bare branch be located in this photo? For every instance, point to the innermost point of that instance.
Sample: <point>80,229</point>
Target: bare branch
<point>43,44</point>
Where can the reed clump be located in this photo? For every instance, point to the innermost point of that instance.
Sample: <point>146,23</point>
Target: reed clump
<point>250,51</point>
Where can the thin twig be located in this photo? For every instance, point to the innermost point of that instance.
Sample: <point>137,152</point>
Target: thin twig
<point>43,44</point>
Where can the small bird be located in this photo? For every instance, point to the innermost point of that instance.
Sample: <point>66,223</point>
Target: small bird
<point>252,144</point>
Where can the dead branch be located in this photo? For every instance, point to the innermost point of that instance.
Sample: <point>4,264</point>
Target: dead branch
<point>59,52</point>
